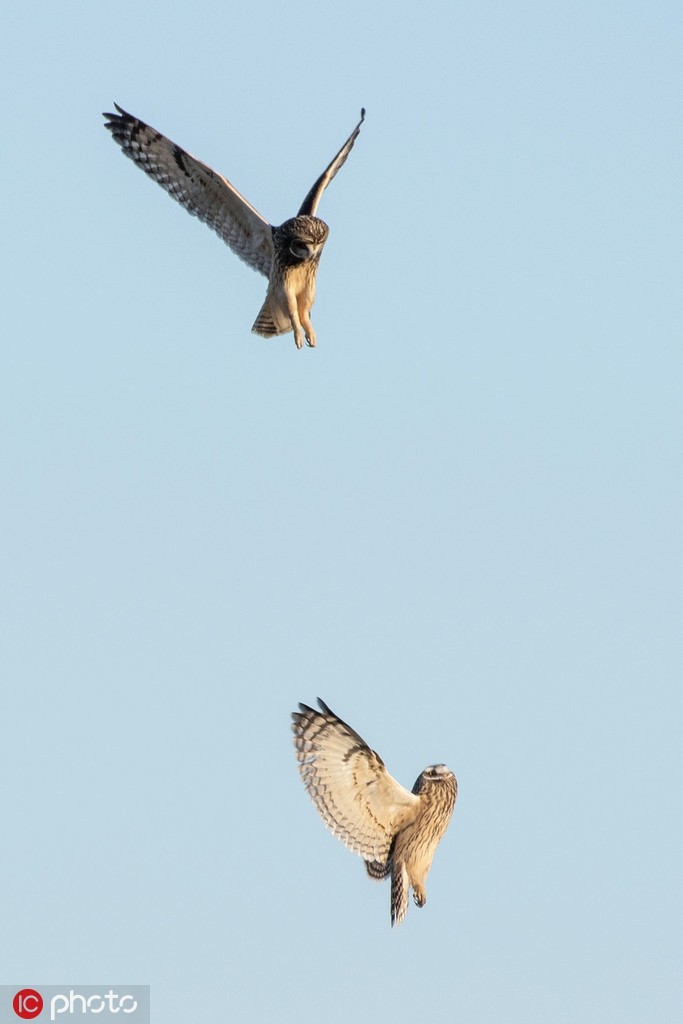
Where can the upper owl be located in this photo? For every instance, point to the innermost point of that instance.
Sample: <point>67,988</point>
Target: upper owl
<point>287,255</point>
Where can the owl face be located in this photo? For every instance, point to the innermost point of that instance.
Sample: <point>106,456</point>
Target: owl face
<point>301,238</point>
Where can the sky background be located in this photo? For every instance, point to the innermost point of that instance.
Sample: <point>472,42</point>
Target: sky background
<point>458,520</point>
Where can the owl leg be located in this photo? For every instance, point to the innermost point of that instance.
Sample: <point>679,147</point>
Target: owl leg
<point>293,313</point>
<point>304,305</point>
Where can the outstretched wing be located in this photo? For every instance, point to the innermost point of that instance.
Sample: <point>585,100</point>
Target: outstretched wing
<point>310,203</point>
<point>355,795</point>
<point>200,190</point>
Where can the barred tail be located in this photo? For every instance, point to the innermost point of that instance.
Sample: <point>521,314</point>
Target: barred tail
<point>271,320</point>
<point>400,888</point>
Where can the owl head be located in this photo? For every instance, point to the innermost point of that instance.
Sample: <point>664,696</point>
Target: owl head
<point>301,239</point>
<point>435,775</point>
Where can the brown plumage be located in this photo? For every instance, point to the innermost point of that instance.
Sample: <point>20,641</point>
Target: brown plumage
<point>287,255</point>
<point>396,832</point>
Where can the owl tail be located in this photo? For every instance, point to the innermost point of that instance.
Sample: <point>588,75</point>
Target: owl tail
<point>272,320</point>
<point>400,888</point>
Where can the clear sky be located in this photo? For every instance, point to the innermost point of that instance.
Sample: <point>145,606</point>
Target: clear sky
<point>458,520</point>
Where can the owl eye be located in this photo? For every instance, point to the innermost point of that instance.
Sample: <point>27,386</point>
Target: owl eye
<point>300,250</point>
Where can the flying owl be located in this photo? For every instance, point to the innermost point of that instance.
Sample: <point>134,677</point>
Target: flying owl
<point>287,255</point>
<point>394,831</point>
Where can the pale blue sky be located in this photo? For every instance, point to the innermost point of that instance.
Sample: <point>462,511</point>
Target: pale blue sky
<point>457,521</point>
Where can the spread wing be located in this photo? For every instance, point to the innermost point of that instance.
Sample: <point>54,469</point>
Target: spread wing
<point>202,192</point>
<point>355,795</point>
<point>310,203</point>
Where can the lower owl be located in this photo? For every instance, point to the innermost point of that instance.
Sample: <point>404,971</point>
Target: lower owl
<point>396,832</point>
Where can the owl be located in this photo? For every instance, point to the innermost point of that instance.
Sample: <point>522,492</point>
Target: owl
<point>396,832</point>
<point>287,255</point>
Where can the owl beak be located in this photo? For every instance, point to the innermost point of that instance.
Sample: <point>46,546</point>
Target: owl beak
<point>313,249</point>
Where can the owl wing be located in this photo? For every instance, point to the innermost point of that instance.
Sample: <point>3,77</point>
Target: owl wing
<point>202,192</point>
<point>310,203</point>
<point>354,793</point>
